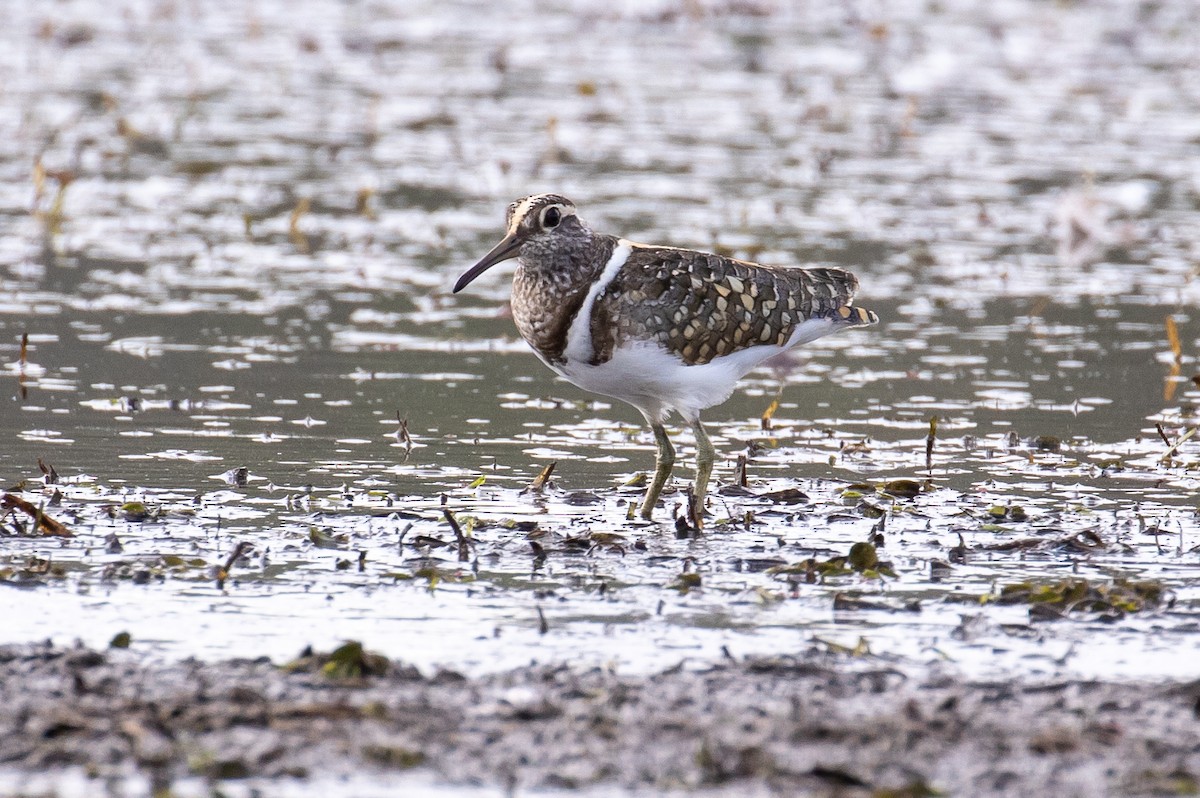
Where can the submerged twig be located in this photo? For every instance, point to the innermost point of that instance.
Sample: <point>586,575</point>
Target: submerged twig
<point>47,524</point>
<point>1169,383</point>
<point>297,236</point>
<point>362,203</point>
<point>48,473</point>
<point>769,413</point>
<point>464,544</point>
<point>1173,338</point>
<point>1179,442</point>
<point>223,571</point>
<point>1162,434</point>
<point>695,509</point>
<point>21,361</point>
<point>929,441</point>
<point>541,480</point>
<point>403,435</point>
<point>52,218</point>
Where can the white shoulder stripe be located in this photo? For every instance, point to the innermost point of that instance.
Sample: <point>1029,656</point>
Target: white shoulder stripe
<point>579,336</point>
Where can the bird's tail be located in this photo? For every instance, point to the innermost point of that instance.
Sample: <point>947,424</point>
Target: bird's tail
<point>856,317</point>
<point>831,294</point>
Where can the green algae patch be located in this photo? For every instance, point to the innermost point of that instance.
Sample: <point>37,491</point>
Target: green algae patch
<point>903,488</point>
<point>862,559</point>
<point>350,661</point>
<point>1074,596</point>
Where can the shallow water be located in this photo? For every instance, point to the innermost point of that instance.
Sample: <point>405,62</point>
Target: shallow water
<point>250,267</point>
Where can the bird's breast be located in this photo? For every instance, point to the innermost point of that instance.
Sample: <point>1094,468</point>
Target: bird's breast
<point>554,313</point>
<point>543,312</point>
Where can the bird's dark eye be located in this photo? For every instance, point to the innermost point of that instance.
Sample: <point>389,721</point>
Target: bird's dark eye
<point>551,218</point>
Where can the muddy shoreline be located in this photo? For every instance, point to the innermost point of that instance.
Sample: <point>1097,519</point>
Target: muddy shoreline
<point>816,724</point>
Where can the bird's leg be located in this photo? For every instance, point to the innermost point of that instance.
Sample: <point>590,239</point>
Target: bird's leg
<point>705,457</point>
<point>663,462</point>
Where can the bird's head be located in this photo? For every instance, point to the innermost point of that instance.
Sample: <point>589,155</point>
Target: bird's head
<point>541,222</point>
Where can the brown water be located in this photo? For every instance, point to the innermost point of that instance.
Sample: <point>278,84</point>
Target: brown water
<point>265,207</point>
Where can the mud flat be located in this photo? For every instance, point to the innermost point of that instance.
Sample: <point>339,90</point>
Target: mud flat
<point>814,725</point>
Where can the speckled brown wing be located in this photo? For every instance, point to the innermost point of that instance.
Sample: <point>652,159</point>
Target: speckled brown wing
<point>702,306</point>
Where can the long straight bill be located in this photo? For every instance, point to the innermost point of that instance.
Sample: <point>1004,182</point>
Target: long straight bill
<point>507,248</point>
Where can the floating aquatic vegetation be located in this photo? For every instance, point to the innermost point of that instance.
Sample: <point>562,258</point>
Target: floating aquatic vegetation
<point>32,572</point>
<point>785,496</point>
<point>902,488</point>
<point>686,582</point>
<point>862,559</point>
<point>1058,599</point>
<point>350,662</point>
<point>139,512</point>
<point>1013,513</point>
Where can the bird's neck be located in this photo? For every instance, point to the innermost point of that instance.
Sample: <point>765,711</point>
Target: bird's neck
<point>551,284</point>
<point>564,267</point>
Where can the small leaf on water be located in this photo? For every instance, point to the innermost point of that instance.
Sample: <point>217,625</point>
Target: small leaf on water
<point>352,661</point>
<point>475,484</point>
<point>437,575</point>
<point>326,540</point>
<point>429,572</point>
<point>786,496</point>
<point>794,568</point>
<point>120,640</point>
<point>768,597</point>
<point>903,488</point>
<point>685,582</point>
<point>871,510</point>
<point>392,756</point>
<point>542,479</point>
<point>638,480</point>
<point>863,556</point>
<point>135,511</point>
<point>1046,443</point>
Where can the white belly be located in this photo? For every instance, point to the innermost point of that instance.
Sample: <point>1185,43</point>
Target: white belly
<point>657,382</point>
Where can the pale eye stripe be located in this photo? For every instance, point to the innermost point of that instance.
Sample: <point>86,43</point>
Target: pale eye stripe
<point>519,213</point>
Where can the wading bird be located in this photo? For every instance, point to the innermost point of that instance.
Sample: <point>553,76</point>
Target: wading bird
<point>662,328</point>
